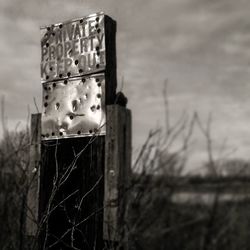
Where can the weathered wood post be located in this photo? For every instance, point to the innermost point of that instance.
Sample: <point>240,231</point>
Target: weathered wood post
<point>33,187</point>
<point>85,138</point>
<point>117,175</point>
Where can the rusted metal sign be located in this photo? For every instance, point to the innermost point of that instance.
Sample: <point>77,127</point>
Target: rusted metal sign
<point>74,107</point>
<point>78,58</point>
<point>73,48</point>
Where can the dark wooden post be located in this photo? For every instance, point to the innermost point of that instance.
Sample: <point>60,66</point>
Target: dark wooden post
<point>72,193</point>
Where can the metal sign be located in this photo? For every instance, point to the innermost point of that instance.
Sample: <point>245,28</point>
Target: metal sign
<point>73,48</point>
<point>78,58</point>
<point>74,107</point>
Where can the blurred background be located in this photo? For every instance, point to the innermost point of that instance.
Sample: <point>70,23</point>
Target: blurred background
<point>200,47</point>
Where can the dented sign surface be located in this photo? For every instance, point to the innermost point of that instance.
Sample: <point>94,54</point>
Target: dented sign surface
<point>73,48</point>
<point>74,107</point>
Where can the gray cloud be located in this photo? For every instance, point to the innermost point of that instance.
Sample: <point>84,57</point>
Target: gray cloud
<point>200,46</point>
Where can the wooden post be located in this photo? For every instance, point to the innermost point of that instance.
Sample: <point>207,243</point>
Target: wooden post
<point>33,188</point>
<point>72,182</point>
<point>117,173</point>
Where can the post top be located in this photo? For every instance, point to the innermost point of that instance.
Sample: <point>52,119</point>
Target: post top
<point>74,20</point>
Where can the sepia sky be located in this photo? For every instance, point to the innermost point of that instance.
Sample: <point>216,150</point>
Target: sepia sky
<point>202,47</point>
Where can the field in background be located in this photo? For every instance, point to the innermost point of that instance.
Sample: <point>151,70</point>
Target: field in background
<point>166,209</point>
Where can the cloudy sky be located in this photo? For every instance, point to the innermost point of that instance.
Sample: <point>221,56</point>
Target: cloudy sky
<point>201,46</point>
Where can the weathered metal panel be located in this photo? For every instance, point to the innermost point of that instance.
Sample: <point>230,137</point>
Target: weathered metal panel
<point>73,48</point>
<point>74,107</point>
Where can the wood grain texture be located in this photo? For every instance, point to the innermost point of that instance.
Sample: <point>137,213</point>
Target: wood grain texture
<point>72,189</point>
<point>33,172</point>
<point>110,71</point>
<point>117,172</point>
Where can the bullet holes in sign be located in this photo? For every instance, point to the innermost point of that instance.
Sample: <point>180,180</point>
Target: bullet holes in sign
<point>57,106</point>
<point>74,105</point>
<point>98,82</point>
<point>92,108</point>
